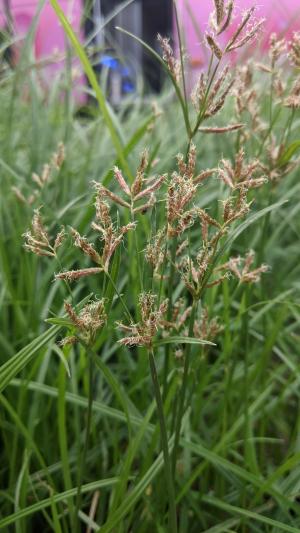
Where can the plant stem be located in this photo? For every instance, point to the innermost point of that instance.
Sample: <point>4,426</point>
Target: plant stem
<point>82,460</point>
<point>107,274</point>
<point>182,396</point>
<point>181,53</point>
<point>169,315</point>
<point>165,446</point>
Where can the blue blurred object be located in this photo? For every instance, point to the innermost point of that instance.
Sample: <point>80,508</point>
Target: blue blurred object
<point>126,78</point>
<point>109,62</point>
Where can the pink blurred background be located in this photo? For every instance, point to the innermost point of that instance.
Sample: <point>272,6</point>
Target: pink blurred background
<point>282,16</point>
<point>50,42</point>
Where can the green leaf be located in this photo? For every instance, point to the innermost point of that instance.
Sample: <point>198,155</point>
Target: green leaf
<point>80,401</point>
<point>16,363</point>
<point>221,504</point>
<point>135,494</point>
<point>289,152</point>
<point>59,321</point>
<point>219,462</point>
<point>136,137</point>
<point>182,340</point>
<point>62,496</point>
<point>105,110</point>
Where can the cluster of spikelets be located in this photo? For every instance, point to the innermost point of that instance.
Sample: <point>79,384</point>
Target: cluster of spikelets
<point>42,179</point>
<point>181,213</point>
<point>143,332</point>
<point>37,239</point>
<point>90,319</point>
<point>283,94</point>
<point>171,247</point>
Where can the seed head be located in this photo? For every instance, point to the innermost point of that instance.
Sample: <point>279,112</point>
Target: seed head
<point>89,320</point>
<point>168,56</point>
<point>142,334</point>
<point>294,50</point>
<point>214,47</point>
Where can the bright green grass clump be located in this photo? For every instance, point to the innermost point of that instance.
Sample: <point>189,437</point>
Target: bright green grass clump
<point>160,393</point>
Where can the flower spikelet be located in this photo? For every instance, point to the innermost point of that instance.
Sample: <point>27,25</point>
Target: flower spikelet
<point>89,320</point>
<point>168,56</point>
<point>142,333</point>
<point>37,239</point>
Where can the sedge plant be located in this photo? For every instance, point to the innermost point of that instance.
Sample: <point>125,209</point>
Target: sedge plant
<point>171,302</point>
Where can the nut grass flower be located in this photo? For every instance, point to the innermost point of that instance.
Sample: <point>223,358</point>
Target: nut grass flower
<point>173,64</point>
<point>240,267</point>
<point>142,333</point>
<point>42,179</point>
<point>88,321</point>
<point>141,189</point>
<point>110,236</point>
<point>294,50</point>
<point>37,239</point>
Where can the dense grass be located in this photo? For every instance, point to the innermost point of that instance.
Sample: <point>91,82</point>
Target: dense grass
<point>238,458</point>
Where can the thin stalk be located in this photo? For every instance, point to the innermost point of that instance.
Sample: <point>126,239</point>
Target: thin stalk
<point>287,129</point>
<point>202,112</point>
<point>181,53</point>
<point>269,131</point>
<point>174,82</point>
<point>119,296</point>
<point>137,252</point>
<point>82,460</point>
<point>165,446</point>
<point>62,438</point>
<point>245,344</point>
<point>169,314</point>
<point>182,395</point>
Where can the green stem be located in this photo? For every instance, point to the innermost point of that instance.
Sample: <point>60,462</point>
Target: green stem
<point>169,315</point>
<point>119,296</point>
<point>165,446</point>
<point>202,111</point>
<point>82,460</point>
<point>137,252</point>
<point>182,396</point>
<point>181,53</point>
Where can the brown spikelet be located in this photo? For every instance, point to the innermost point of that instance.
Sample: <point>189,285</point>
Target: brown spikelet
<point>215,107</point>
<point>142,334</point>
<point>199,92</point>
<point>19,195</point>
<point>36,179</point>
<point>144,207</point>
<point>168,56</point>
<point>219,10</point>
<point>59,156</point>
<point>294,50</point>
<point>45,173</point>
<point>248,37</point>
<point>85,246</point>
<point>153,187</point>
<point>246,17</point>
<point>227,21</point>
<point>224,129</point>
<point>218,83</point>
<point>104,192</point>
<point>204,174</point>
<point>74,275</point>
<point>203,215</point>
<point>213,45</point>
<point>119,177</point>
<point>72,315</point>
<point>59,239</point>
